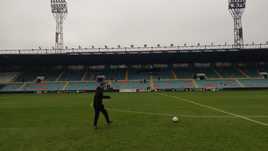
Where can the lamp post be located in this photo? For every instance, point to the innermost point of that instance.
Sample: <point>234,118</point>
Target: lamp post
<point>59,10</point>
<point>236,8</point>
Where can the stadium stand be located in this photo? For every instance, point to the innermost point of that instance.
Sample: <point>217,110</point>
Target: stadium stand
<point>48,86</point>
<point>138,84</point>
<point>136,74</point>
<point>263,68</point>
<point>209,71</point>
<point>229,72</point>
<point>251,71</point>
<point>72,75</point>
<point>136,70</point>
<point>7,76</point>
<point>156,73</point>
<point>31,76</point>
<point>184,72</point>
<point>1,86</point>
<point>257,83</point>
<point>173,84</point>
<point>111,74</point>
<point>50,75</point>
<point>218,83</point>
<point>11,87</point>
<point>26,77</point>
<point>165,73</point>
<point>135,78</point>
<point>81,86</point>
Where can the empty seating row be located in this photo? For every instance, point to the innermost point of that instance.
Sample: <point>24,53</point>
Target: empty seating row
<point>218,84</point>
<point>50,86</point>
<point>230,72</point>
<point>135,74</point>
<point>131,85</point>
<point>112,74</point>
<point>30,76</point>
<point>173,84</point>
<point>7,76</point>
<point>132,74</point>
<point>73,86</point>
<point>136,84</point>
<point>184,73</point>
<point>254,83</point>
<point>11,87</point>
<point>251,71</point>
<point>210,72</point>
<point>72,75</point>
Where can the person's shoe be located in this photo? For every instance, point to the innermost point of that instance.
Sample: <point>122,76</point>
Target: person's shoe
<point>110,122</point>
<point>95,127</point>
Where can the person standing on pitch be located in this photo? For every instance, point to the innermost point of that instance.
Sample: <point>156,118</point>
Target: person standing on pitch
<point>98,105</point>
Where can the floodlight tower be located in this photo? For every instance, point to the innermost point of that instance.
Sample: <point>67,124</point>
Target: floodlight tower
<point>59,10</point>
<point>236,8</point>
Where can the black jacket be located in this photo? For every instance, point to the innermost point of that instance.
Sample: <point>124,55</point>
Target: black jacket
<point>98,97</point>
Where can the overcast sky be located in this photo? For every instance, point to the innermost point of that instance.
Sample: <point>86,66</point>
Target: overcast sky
<point>29,23</point>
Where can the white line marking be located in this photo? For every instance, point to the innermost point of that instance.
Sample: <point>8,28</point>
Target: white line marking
<point>183,115</point>
<point>216,109</point>
<point>144,113</point>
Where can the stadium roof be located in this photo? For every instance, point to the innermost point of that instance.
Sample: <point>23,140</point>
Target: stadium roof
<point>130,56</point>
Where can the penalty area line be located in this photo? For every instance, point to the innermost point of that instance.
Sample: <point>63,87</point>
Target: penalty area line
<point>215,109</point>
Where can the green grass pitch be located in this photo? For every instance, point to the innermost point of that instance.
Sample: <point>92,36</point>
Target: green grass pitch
<point>221,121</point>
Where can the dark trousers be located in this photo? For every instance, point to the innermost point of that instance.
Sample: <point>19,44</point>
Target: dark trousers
<point>97,113</point>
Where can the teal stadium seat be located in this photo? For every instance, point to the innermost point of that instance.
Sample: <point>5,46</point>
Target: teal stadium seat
<point>258,83</point>
<point>229,72</point>
<point>11,87</point>
<point>130,85</point>
<point>49,86</point>
<point>173,84</point>
<point>217,84</point>
<point>72,86</point>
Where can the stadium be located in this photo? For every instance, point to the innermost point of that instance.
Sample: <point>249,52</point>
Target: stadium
<point>136,69</point>
<point>218,92</point>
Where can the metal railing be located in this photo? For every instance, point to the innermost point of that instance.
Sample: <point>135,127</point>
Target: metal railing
<point>130,49</point>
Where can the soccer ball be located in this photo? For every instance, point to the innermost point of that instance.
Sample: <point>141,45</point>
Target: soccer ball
<point>175,119</point>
